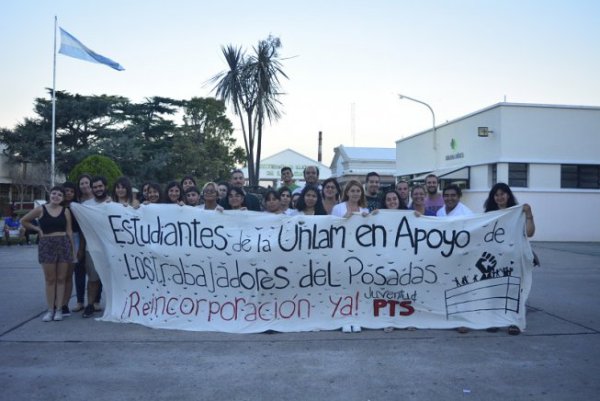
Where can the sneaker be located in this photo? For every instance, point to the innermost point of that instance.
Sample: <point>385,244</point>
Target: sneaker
<point>48,316</point>
<point>65,311</point>
<point>89,311</point>
<point>58,316</point>
<point>78,308</point>
<point>347,328</point>
<point>356,329</point>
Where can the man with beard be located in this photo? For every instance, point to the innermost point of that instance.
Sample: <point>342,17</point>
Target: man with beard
<point>99,189</point>
<point>434,200</point>
<point>238,180</point>
<point>311,178</point>
<point>372,191</point>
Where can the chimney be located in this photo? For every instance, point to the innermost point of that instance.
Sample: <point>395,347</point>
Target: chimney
<point>320,155</point>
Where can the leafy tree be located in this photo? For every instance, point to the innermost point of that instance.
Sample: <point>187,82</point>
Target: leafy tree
<point>143,138</point>
<point>205,146</point>
<point>252,85</point>
<point>97,165</point>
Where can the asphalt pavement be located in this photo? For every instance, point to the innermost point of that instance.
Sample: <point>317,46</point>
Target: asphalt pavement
<point>556,358</point>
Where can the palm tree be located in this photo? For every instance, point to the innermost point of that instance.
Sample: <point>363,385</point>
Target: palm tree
<point>251,84</point>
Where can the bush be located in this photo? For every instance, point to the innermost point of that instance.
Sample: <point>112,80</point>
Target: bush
<point>97,165</point>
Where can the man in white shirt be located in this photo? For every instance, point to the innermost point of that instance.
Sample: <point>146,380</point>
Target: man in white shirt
<point>452,205</point>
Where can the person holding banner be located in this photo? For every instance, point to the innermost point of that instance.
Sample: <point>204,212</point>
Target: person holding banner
<point>153,195</point>
<point>192,196</point>
<point>123,192</point>
<point>310,203</point>
<point>502,197</point>
<point>417,195</point>
<point>272,202</point>
<point>353,201</point>
<point>236,199</point>
<point>391,200</point>
<point>452,205</point>
<point>55,250</point>
<point>285,197</point>
<point>210,195</point>
<point>174,193</point>
<point>331,194</point>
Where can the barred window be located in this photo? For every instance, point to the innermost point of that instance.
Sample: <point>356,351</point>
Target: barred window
<point>585,176</point>
<point>517,174</point>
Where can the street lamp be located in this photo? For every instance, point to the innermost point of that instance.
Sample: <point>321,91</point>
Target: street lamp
<point>432,114</point>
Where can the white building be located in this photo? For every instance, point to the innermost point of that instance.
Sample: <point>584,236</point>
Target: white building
<point>270,167</point>
<point>548,154</point>
<point>354,163</point>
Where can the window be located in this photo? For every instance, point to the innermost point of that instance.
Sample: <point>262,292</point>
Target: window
<point>585,176</point>
<point>517,174</point>
<point>494,173</point>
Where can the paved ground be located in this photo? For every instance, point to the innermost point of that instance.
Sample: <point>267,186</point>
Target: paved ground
<point>557,358</point>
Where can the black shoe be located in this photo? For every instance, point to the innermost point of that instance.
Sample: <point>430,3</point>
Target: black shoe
<point>66,311</point>
<point>514,330</point>
<point>89,311</point>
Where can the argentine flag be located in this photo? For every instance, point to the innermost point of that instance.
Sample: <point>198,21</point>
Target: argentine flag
<point>69,46</point>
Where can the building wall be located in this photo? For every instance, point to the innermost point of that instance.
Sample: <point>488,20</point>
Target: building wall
<point>559,216</point>
<point>542,136</point>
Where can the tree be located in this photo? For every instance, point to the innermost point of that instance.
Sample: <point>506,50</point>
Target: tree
<point>252,85</point>
<point>205,146</point>
<point>97,165</point>
<point>144,138</point>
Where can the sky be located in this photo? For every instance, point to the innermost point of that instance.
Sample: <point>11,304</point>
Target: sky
<point>347,61</point>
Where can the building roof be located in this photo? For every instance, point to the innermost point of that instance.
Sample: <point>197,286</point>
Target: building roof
<point>503,104</point>
<point>357,160</point>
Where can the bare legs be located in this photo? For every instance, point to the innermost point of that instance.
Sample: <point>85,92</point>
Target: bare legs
<point>55,275</point>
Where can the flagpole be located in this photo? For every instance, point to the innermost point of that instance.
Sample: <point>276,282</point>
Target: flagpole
<point>52,161</point>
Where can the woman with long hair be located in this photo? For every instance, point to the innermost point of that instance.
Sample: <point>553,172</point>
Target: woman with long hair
<point>84,188</point>
<point>353,201</point>
<point>391,200</point>
<point>153,194</point>
<point>330,193</point>
<point>55,250</point>
<point>236,199</point>
<point>174,193</point>
<point>70,190</point>
<point>310,202</point>
<point>501,197</point>
<point>123,192</point>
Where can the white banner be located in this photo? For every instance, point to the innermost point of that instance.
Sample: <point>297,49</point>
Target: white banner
<point>168,266</point>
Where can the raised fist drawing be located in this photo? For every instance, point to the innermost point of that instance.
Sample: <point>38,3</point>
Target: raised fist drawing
<point>486,264</point>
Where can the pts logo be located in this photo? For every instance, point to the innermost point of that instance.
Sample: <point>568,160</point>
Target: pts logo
<point>393,307</point>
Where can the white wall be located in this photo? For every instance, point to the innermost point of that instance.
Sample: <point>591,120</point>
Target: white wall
<point>568,216</point>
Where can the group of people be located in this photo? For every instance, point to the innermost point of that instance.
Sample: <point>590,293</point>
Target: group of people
<point>62,251</point>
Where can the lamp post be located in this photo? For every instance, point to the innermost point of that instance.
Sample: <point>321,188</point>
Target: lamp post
<point>432,115</point>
